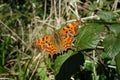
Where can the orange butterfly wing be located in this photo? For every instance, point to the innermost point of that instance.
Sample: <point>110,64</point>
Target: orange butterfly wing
<point>70,29</point>
<point>59,41</point>
<point>68,32</point>
<point>67,42</point>
<point>47,45</point>
<point>42,42</point>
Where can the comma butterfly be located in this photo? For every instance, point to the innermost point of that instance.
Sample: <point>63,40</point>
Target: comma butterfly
<point>59,41</point>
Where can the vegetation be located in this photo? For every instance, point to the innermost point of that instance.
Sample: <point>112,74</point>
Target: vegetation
<point>97,45</point>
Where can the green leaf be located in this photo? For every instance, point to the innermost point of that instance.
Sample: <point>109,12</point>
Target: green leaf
<point>112,45</point>
<point>115,28</point>
<point>93,6</point>
<point>88,37</point>
<point>106,15</point>
<point>117,59</point>
<point>42,71</point>
<point>60,60</point>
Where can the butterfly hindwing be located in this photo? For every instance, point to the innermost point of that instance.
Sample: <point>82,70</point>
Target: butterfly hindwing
<point>67,42</point>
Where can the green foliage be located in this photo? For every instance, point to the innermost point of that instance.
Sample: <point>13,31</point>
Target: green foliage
<point>88,37</point>
<point>96,51</point>
<point>60,60</point>
<point>117,59</point>
<point>42,71</point>
<point>114,28</point>
<point>113,48</point>
<point>106,15</point>
<point>4,49</point>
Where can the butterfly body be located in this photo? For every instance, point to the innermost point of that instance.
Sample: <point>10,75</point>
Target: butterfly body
<point>59,41</point>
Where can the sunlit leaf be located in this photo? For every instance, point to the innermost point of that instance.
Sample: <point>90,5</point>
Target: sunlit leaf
<point>88,37</point>
<point>115,28</point>
<point>112,45</point>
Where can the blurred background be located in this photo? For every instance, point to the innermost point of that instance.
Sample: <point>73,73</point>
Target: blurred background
<point>97,45</point>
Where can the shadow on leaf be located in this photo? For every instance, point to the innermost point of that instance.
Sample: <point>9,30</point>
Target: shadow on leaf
<point>70,67</point>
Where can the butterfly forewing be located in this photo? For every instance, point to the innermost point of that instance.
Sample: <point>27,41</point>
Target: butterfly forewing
<point>42,43</point>
<point>52,48</point>
<point>70,29</point>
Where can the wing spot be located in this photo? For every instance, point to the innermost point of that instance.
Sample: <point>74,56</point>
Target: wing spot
<point>67,26</point>
<point>66,32</point>
<point>63,29</point>
<point>43,39</point>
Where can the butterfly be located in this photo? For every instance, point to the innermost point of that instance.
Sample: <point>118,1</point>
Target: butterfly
<point>59,41</point>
